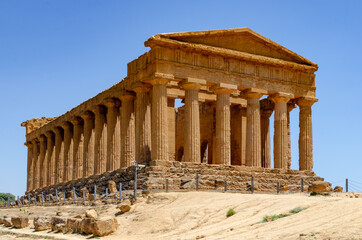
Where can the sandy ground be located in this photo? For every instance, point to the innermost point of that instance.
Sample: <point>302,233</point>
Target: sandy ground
<point>202,215</point>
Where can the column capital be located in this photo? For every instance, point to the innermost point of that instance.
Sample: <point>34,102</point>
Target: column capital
<point>112,102</point>
<point>221,88</point>
<point>291,105</point>
<point>42,138</point>
<point>160,79</point>
<point>76,121</point>
<point>254,93</point>
<point>57,131</point>
<point>87,115</point>
<point>281,97</point>
<point>128,96</point>
<point>34,141</point>
<point>140,87</point>
<point>266,108</point>
<point>66,125</point>
<point>193,83</point>
<point>306,101</point>
<point>49,134</point>
<point>98,109</point>
<point>28,144</point>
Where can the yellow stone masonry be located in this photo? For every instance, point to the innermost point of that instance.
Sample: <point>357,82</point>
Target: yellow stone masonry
<point>231,82</point>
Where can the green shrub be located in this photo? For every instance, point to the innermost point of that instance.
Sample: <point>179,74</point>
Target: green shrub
<point>275,217</point>
<point>230,212</point>
<point>296,210</point>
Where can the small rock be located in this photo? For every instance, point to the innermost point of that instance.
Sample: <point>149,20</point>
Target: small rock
<point>125,206</point>
<point>42,223</point>
<point>20,222</point>
<point>320,187</point>
<point>112,187</point>
<point>105,227</point>
<point>7,222</point>
<point>91,213</point>
<point>338,189</point>
<point>78,216</point>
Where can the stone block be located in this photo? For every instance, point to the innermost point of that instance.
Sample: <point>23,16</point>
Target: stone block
<point>86,225</point>
<point>20,222</point>
<point>105,227</point>
<point>74,225</point>
<point>58,224</point>
<point>125,206</point>
<point>338,189</point>
<point>320,187</point>
<point>42,223</point>
<point>91,213</point>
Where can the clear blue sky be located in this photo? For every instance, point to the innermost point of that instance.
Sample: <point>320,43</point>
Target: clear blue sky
<point>56,54</point>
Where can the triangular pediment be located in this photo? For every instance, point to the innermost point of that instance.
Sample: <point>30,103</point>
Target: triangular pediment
<point>239,39</point>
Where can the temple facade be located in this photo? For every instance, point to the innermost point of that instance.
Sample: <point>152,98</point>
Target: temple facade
<point>230,81</point>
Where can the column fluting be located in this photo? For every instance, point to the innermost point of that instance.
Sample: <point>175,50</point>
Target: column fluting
<point>59,154</point>
<point>281,129</point>
<point>36,165</point>
<point>88,146</point>
<point>266,110</point>
<point>222,140</point>
<point>159,122</point>
<point>253,132</point>
<point>78,142</point>
<point>29,185</point>
<point>192,123</point>
<point>305,134</point>
<point>68,151</point>
<point>100,139</point>
<point>143,122</point>
<point>51,158</point>
<point>112,115</point>
<point>127,130</point>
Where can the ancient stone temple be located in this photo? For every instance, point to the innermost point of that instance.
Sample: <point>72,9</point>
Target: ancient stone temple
<point>230,81</point>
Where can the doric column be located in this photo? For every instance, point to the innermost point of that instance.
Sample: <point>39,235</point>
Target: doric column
<point>68,151</point>
<point>159,122</point>
<point>100,140</point>
<point>171,126</point>
<point>88,146</point>
<point>266,110</point>
<point>305,134</point>
<point>290,107</point>
<point>78,141</point>
<point>42,161</point>
<point>59,155</point>
<point>222,140</point>
<point>143,122</point>
<point>36,164</point>
<point>50,158</point>
<point>113,137</point>
<point>127,130</point>
<point>192,120</point>
<point>29,185</point>
<point>281,129</point>
<point>253,133</point>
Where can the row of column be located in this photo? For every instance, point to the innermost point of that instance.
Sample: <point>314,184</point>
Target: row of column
<point>110,136</point>
<point>257,128</point>
<point>99,140</point>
